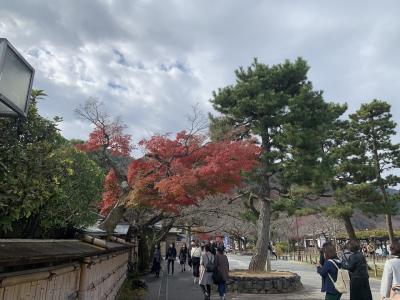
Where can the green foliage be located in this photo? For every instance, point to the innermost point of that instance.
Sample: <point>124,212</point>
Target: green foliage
<point>27,166</point>
<point>43,184</point>
<point>373,128</point>
<point>367,234</point>
<point>293,203</point>
<point>282,248</point>
<point>360,151</point>
<point>78,194</point>
<point>278,103</point>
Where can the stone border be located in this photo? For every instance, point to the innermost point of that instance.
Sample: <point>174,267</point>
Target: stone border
<point>264,285</point>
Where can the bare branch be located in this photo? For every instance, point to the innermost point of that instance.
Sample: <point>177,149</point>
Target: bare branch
<point>198,120</point>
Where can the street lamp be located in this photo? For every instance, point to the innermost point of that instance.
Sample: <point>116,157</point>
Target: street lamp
<point>16,77</point>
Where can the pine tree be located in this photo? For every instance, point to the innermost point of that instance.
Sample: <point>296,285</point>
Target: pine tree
<point>279,105</point>
<point>372,126</point>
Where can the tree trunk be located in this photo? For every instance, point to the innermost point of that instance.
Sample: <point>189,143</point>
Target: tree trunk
<point>383,190</point>
<point>143,253</point>
<point>349,228</point>
<point>113,218</point>
<point>390,228</point>
<point>258,261</point>
<point>31,227</point>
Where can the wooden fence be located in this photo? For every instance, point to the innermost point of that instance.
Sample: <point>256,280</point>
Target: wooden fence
<point>50,283</point>
<point>97,277</point>
<point>375,263</point>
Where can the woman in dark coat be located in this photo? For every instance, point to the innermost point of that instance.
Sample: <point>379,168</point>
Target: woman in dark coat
<point>222,271</point>
<point>358,271</point>
<point>183,253</point>
<point>157,261</point>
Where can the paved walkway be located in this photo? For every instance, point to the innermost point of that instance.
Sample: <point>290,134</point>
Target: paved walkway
<point>181,286</point>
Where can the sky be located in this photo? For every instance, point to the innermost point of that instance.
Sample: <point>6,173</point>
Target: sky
<point>149,61</point>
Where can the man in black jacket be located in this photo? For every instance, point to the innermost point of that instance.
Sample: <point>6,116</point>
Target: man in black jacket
<point>170,257</point>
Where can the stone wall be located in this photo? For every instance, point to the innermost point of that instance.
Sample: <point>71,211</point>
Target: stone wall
<point>264,285</point>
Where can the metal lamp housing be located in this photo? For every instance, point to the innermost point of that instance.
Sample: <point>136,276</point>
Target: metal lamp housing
<point>16,77</point>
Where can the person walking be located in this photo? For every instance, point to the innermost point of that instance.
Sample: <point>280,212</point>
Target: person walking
<point>195,255</point>
<point>371,249</point>
<point>206,271</point>
<point>183,253</point>
<point>391,273</point>
<point>328,272</point>
<point>322,258</point>
<point>357,266</point>
<point>157,261</point>
<point>346,255</point>
<point>222,271</point>
<point>171,257</point>
<point>189,257</point>
<point>272,251</point>
<point>213,248</point>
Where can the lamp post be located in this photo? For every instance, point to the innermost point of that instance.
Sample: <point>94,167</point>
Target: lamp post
<point>16,77</point>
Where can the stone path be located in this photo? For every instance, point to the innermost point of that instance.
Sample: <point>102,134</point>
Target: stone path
<point>181,286</point>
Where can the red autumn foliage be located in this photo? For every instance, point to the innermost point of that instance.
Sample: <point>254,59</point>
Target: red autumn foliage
<point>186,169</point>
<point>110,193</point>
<point>111,137</point>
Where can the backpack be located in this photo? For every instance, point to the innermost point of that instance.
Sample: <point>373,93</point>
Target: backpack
<point>210,266</point>
<point>342,283</point>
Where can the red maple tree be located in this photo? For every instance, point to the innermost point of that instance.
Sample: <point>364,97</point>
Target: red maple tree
<point>109,137</point>
<point>182,171</point>
<point>173,172</point>
<point>111,192</point>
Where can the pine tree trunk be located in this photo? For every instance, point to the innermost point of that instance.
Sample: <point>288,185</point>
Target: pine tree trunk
<point>384,193</point>
<point>390,228</point>
<point>349,228</point>
<point>258,261</point>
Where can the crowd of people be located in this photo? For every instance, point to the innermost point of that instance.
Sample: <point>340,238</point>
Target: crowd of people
<point>207,261</point>
<point>347,273</point>
<point>334,271</point>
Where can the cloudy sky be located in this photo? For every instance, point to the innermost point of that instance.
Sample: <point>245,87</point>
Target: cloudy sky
<point>150,61</point>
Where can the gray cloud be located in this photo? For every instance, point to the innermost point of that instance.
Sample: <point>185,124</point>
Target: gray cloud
<point>149,61</point>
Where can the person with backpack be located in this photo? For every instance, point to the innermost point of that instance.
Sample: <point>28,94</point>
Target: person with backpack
<point>195,254</point>
<point>207,267</point>
<point>183,253</point>
<point>357,266</point>
<point>221,272</point>
<point>329,273</point>
<point>390,284</point>
<point>171,257</point>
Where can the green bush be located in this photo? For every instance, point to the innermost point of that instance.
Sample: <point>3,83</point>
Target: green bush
<point>282,248</point>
